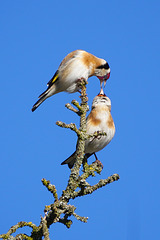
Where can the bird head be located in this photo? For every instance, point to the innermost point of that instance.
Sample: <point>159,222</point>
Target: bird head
<point>103,72</point>
<point>101,100</point>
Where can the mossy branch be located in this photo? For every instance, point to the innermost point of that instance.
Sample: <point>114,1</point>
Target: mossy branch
<point>50,188</point>
<point>45,228</point>
<point>71,126</point>
<point>77,184</point>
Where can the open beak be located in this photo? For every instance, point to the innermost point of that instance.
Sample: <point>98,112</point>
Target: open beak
<point>101,81</point>
<point>104,78</point>
<point>107,76</point>
<point>101,92</point>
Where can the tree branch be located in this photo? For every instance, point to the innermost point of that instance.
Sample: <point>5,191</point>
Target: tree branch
<point>71,126</point>
<point>50,188</point>
<point>45,228</point>
<point>53,212</point>
<point>70,107</point>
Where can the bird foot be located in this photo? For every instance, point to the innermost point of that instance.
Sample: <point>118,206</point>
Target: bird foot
<point>81,81</point>
<point>98,162</point>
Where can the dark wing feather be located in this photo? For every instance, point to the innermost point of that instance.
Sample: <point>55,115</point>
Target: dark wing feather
<point>53,79</point>
<point>50,83</point>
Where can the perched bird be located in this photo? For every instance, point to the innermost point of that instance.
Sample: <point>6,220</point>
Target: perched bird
<point>75,66</point>
<point>99,119</point>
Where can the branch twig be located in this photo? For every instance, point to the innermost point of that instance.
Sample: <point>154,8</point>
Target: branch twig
<point>76,180</point>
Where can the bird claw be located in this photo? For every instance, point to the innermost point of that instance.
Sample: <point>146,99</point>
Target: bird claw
<point>98,162</point>
<point>81,81</point>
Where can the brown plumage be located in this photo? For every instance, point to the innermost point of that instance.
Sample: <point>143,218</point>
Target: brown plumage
<point>75,66</point>
<point>99,119</point>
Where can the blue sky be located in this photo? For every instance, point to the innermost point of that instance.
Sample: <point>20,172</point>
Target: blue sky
<point>35,37</point>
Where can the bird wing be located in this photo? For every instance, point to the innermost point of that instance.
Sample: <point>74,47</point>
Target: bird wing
<point>50,83</point>
<point>66,60</point>
<point>53,79</point>
<point>69,57</point>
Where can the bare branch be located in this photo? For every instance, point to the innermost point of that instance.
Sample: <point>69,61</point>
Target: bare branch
<point>77,184</point>
<point>66,222</point>
<point>101,183</point>
<point>82,219</point>
<point>71,126</point>
<point>22,236</point>
<point>45,228</point>
<point>76,104</point>
<point>70,107</point>
<point>50,188</point>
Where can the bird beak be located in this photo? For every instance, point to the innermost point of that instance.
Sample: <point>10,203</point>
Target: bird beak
<point>104,78</point>
<point>108,76</point>
<point>101,92</point>
<point>101,81</point>
<point>105,83</point>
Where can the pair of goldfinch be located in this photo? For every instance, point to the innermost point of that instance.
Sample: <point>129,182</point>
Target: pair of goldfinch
<point>75,66</point>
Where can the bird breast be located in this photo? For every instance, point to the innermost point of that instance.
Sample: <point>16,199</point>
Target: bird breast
<point>99,120</point>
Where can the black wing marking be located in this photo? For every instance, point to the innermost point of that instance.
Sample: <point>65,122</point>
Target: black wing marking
<point>53,79</point>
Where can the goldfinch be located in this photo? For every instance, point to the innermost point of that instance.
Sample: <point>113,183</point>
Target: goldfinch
<point>75,66</point>
<point>99,119</point>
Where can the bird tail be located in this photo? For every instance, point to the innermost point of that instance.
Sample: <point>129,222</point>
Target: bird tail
<point>70,161</point>
<point>51,90</point>
<point>43,97</point>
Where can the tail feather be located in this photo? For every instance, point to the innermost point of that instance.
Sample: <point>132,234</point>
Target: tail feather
<point>51,90</point>
<point>44,93</point>
<point>70,161</point>
<point>39,102</point>
<point>87,155</point>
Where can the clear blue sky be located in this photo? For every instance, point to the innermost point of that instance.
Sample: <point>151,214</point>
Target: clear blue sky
<point>34,38</point>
